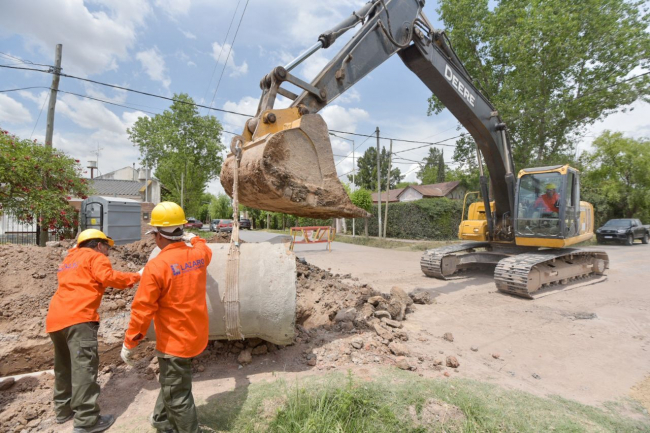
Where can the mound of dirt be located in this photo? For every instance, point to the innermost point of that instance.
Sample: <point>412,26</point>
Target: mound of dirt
<point>27,405</point>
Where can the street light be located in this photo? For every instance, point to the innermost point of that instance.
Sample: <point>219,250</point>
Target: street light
<point>354,170</point>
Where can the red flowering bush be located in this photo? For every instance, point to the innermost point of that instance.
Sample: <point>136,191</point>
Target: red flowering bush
<point>37,181</point>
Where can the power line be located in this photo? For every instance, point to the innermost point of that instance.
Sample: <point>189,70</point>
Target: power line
<point>24,88</point>
<point>38,118</point>
<point>28,62</point>
<point>216,64</point>
<point>229,51</point>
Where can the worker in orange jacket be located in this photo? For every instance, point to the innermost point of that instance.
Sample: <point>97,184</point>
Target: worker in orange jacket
<point>172,293</point>
<point>72,322</point>
<point>550,201</point>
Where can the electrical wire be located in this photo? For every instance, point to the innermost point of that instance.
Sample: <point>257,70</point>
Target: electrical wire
<point>24,88</point>
<point>229,51</point>
<point>216,64</point>
<point>38,118</point>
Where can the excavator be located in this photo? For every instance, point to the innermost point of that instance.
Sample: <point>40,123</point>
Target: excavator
<point>283,160</point>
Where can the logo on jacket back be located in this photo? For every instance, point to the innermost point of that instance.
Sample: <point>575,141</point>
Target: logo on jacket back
<point>183,268</point>
<point>67,266</point>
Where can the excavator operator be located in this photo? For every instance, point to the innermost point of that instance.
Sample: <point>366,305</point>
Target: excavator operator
<point>548,203</point>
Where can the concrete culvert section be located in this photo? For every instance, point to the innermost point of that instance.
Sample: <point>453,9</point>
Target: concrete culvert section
<point>267,292</point>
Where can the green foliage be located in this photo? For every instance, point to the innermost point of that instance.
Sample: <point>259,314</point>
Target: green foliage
<point>616,177</point>
<point>549,66</point>
<point>36,183</point>
<point>221,207</point>
<point>362,198</point>
<point>429,218</point>
<point>184,147</point>
<point>433,168</point>
<point>204,213</point>
<point>366,176</point>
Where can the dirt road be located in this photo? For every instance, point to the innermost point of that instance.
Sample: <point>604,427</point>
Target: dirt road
<point>590,344</point>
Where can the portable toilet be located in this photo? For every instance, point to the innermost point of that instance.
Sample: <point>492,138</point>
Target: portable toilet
<point>118,218</point>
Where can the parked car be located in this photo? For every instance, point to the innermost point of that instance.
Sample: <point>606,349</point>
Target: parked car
<point>624,230</point>
<point>245,223</point>
<point>193,223</point>
<point>224,226</point>
<point>213,225</point>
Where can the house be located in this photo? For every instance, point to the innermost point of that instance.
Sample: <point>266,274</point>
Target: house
<point>451,190</point>
<point>128,182</point>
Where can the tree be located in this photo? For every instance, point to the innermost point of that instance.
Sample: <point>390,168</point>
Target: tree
<point>221,207</point>
<point>362,198</point>
<point>184,148</point>
<point>433,168</point>
<point>616,179</point>
<point>366,176</point>
<point>549,67</point>
<point>37,181</point>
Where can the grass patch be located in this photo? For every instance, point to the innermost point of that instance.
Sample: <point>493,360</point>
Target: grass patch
<point>201,233</point>
<point>396,401</point>
<point>392,244</point>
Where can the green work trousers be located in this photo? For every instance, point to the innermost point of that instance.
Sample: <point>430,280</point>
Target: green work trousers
<point>175,408</point>
<point>75,373</point>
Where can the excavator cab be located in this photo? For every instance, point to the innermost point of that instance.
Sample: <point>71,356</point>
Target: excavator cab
<point>548,210</point>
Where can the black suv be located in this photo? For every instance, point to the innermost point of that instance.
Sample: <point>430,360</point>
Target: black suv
<point>244,223</point>
<point>622,230</point>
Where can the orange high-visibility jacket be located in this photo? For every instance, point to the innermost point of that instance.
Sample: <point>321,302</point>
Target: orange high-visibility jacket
<point>172,293</point>
<point>547,203</point>
<point>83,277</point>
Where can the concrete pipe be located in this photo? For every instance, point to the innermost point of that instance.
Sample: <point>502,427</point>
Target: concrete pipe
<point>267,291</point>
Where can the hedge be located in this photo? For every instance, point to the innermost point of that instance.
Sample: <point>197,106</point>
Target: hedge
<point>429,218</point>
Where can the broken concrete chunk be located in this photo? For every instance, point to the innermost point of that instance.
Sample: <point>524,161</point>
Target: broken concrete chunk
<point>452,362</point>
<point>346,315</point>
<point>399,349</point>
<point>392,323</point>
<point>448,336</point>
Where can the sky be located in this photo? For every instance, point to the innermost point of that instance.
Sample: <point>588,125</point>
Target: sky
<point>191,46</point>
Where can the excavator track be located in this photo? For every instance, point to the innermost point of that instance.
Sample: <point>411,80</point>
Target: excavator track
<point>442,262</point>
<point>536,274</point>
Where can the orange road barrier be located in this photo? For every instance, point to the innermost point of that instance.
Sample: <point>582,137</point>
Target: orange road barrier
<point>313,235</point>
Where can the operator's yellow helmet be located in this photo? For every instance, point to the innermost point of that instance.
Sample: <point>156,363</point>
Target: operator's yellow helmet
<point>551,186</point>
<point>89,234</point>
<point>167,214</point>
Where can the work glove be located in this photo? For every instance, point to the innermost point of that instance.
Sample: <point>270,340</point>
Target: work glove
<point>126,355</point>
<point>141,271</point>
<point>187,237</point>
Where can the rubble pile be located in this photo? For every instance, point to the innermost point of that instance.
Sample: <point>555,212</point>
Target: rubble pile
<point>339,322</point>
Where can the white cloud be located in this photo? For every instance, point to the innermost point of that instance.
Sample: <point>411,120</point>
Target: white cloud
<point>633,123</point>
<point>343,119</point>
<point>89,114</point>
<point>12,111</point>
<point>93,41</point>
<point>130,117</point>
<point>38,99</point>
<point>154,65</point>
<point>188,35</point>
<point>220,54</point>
<point>233,122</point>
<point>313,65</point>
<point>174,7</point>
<point>350,96</point>
<point>191,63</point>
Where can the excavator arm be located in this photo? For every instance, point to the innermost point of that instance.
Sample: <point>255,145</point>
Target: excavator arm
<point>277,144</point>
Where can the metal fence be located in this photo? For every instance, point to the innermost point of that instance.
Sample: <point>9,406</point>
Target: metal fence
<point>12,231</point>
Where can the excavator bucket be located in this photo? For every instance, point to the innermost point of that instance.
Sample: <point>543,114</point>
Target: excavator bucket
<point>287,166</point>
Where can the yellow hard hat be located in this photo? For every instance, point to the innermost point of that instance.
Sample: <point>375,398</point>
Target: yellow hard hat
<point>551,186</point>
<point>167,214</point>
<point>89,234</point>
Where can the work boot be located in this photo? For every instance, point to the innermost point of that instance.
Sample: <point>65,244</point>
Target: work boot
<point>103,423</point>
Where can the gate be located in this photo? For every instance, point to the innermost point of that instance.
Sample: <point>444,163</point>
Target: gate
<point>12,231</point>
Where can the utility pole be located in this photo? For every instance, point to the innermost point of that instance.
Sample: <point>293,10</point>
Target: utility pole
<point>49,132</point>
<point>56,76</point>
<point>390,161</point>
<point>378,186</point>
<point>182,188</point>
